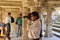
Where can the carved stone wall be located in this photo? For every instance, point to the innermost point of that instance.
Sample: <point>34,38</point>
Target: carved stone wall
<point>0,15</point>
<point>24,6</point>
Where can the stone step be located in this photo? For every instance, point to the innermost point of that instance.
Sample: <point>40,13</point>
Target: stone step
<point>55,28</point>
<point>56,33</point>
<point>56,25</point>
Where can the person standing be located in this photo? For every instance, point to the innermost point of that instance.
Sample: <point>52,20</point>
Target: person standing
<point>8,22</point>
<point>19,24</point>
<point>34,28</point>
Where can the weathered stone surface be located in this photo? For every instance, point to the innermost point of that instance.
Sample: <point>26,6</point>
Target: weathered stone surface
<point>10,0</point>
<point>19,3</point>
<point>24,6</point>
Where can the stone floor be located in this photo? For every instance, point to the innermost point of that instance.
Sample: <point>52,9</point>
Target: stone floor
<point>50,38</point>
<point>43,38</point>
<point>15,38</point>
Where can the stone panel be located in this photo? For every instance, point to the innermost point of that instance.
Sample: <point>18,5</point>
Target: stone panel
<point>18,3</point>
<point>0,14</point>
<point>10,0</point>
<point>32,3</point>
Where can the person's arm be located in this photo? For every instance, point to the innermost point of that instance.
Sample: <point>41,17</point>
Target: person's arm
<point>28,23</point>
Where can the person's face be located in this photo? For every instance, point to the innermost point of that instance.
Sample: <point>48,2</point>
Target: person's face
<point>33,18</point>
<point>19,16</point>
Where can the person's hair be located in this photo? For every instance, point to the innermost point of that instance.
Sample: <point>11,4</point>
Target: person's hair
<point>29,15</point>
<point>20,14</point>
<point>9,13</point>
<point>35,13</point>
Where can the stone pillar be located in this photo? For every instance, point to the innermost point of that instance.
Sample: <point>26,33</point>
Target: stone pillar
<point>0,15</point>
<point>24,25</point>
<point>47,21</point>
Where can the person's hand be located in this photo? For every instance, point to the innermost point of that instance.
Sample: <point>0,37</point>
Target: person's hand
<point>30,23</point>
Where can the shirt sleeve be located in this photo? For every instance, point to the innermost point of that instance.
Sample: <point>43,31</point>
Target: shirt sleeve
<point>35,28</point>
<point>6,20</point>
<point>28,22</point>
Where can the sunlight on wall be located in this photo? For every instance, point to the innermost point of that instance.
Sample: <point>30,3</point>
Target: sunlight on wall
<point>59,12</point>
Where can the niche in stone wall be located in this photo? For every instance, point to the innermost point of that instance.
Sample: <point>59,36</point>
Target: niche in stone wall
<point>14,13</point>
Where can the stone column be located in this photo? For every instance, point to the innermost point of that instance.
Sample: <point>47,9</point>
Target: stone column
<point>0,15</point>
<point>47,21</point>
<point>24,25</point>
